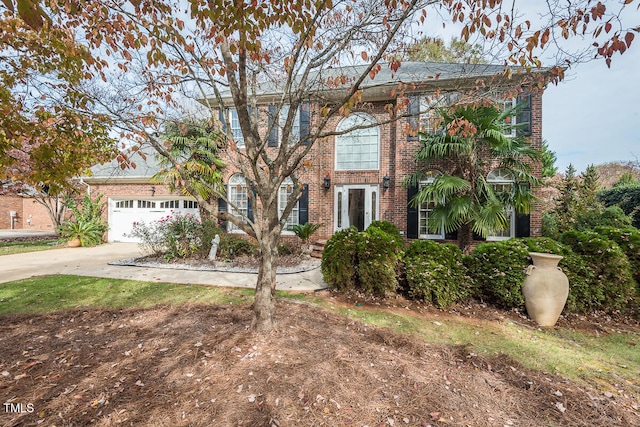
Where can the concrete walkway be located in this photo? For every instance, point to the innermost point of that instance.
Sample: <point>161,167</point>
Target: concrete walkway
<point>94,262</point>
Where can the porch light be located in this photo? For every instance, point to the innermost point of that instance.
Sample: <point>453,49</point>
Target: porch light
<point>385,181</point>
<point>327,182</point>
<point>152,190</point>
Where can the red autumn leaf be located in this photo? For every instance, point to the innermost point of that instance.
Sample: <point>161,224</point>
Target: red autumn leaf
<point>628,38</point>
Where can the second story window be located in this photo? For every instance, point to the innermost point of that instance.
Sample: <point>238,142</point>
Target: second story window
<point>235,127</point>
<point>358,149</point>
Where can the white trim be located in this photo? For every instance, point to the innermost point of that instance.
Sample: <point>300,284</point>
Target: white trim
<point>350,122</point>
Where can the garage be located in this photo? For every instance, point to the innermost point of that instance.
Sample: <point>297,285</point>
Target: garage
<point>123,212</point>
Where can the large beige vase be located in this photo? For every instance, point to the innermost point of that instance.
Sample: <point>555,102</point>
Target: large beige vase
<point>545,289</point>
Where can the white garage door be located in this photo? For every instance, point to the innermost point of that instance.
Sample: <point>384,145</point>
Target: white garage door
<point>124,212</point>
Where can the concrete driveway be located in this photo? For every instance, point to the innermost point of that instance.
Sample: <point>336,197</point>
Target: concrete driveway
<point>94,262</point>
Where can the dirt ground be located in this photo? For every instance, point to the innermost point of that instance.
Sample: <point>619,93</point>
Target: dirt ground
<point>199,365</point>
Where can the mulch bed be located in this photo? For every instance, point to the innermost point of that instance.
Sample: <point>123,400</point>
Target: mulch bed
<point>197,365</point>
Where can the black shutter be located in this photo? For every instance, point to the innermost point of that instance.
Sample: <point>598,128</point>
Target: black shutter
<point>523,119</point>
<point>222,116</point>
<point>222,207</point>
<point>273,121</point>
<point>249,204</point>
<point>475,237</point>
<point>414,121</point>
<point>523,225</point>
<point>412,213</point>
<point>305,123</point>
<point>303,205</point>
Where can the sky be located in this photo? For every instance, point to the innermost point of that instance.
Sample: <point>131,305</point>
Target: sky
<point>593,117</point>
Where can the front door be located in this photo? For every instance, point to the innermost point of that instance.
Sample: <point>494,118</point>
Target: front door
<point>355,205</point>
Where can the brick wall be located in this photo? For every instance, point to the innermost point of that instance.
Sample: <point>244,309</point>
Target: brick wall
<point>8,204</point>
<point>396,161</point>
<point>36,216</point>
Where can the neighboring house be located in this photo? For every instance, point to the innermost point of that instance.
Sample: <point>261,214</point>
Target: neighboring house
<point>132,197</point>
<point>353,179</point>
<point>23,212</point>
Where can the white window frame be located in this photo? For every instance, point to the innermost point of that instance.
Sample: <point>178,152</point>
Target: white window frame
<point>146,204</point>
<point>190,204</point>
<point>423,212</point>
<point>170,204</point>
<point>503,104</point>
<point>428,104</point>
<point>286,188</point>
<point>236,131</point>
<point>350,144</point>
<point>239,196</point>
<point>503,177</point>
<point>294,137</point>
<point>124,204</point>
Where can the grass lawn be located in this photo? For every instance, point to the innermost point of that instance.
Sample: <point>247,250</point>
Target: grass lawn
<point>9,248</point>
<point>576,354</point>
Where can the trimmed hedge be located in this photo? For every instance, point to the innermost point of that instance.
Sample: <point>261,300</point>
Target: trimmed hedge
<point>497,271</point>
<point>610,266</point>
<point>378,254</point>
<point>365,261</point>
<point>435,273</point>
<point>339,260</point>
<point>585,294</point>
<point>629,241</point>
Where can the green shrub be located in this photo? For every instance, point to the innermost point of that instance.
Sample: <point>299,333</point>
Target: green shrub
<point>629,241</point>
<point>611,268</point>
<point>234,245</point>
<point>339,260</point>
<point>183,235</point>
<point>497,271</point>
<point>550,225</point>
<point>377,254</point>
<point>87,223</point>
<point>388,228</point>
<point>208,231</point>
<point>612,216</point>
<point>435,273</point>
<point>305,231</point>
<point>585,294</point>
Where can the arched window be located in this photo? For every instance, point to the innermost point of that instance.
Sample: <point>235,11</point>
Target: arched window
<point>425,209</point>
<point>238,196</point>
<point>358,149</point>
<point>502,181</point>
<point>286,188</point>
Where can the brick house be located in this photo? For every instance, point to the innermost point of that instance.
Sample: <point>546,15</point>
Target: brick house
<point>351,179</point>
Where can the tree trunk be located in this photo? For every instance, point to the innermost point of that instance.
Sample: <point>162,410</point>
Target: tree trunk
<point>465,238</point>
<point>264,303</point>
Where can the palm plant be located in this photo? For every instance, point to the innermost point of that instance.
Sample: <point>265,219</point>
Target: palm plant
<point>195,146</point>
<point>305,231</point>
<point>476,139</point>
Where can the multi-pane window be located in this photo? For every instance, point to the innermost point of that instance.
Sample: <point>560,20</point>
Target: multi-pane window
<point>236,131</point>
<point>424,212</point>
<point>170,204</point>
<point>190,204</point>
<point>146,204</point>
<point>502,181</point>
<point>294,136</point>
<point>124,204</point>
<point>430,121</point>
<point>238,199</point>
<point>358,149</point>
<point>283,197</point>
<point>510,121</point>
